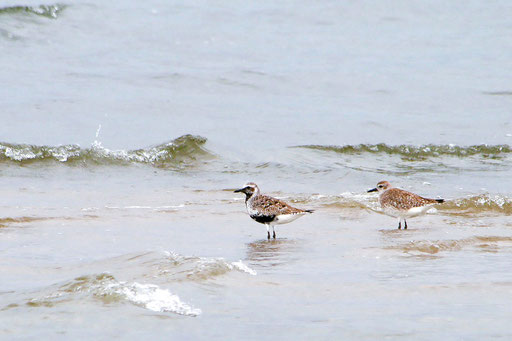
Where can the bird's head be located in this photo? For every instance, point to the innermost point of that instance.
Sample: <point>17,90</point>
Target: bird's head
<point>249,189</point>
<point>381,187</point>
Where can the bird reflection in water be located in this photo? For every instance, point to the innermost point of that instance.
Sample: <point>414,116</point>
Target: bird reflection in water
<point>273,252</point>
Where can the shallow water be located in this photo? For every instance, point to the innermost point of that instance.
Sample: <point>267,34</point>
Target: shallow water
<point>126,127</point>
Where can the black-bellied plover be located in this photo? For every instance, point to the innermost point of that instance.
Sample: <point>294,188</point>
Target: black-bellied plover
<point>401,204</point>
<point>267,210</point>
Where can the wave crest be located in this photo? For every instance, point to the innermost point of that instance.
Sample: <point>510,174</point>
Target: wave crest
<point>48,11</point>
<point>432,247</point>
<point>107,289</point>
<point>418,152</point>
<point>201,268</point>
<point>485,203</point>
<point>178,152</point>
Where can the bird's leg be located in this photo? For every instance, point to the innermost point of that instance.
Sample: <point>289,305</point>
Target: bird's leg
<point>273,232</point>
<point>405,222</point>
<point>399,223</point>
<point>268,231</point>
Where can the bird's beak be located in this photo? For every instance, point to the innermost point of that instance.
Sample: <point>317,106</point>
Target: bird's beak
<point>239,190</point>
<point>372,190</point>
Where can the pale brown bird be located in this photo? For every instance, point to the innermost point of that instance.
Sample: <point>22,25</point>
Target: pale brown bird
<point>401,204</point>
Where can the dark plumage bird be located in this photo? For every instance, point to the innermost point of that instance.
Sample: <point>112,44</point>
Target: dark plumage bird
<point>267,210</point>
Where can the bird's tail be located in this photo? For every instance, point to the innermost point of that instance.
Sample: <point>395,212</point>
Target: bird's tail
<point>434,201</point>
<point>309,211</point>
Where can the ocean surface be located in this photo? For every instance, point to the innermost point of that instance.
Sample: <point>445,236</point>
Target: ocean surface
<point>126,126</point>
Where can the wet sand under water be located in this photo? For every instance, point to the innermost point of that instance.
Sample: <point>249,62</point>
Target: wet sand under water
<point>202,269</point>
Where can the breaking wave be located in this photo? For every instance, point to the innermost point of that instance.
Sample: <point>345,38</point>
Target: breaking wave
<point>199,268</point>
<point>179,152</point>
<point>170,266</point>
<point>156,267</point>
<point>418,152</point>
<point>485,203</point>
<point>48,11</point>
<point>107,289</point>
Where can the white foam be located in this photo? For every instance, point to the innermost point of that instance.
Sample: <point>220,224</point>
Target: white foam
<point>366,199</point>
<point>151,297</point>
<point>20,155</point>
<point>489,199</point>
<point>318,196</point>
<point>242,267</point>
<point>168,206</point>
<point>208,267</point>
<point>64,155</point>
<point>98,131</point>
<point>173,255</point>
<point>204,268</point>
<point>143,156</point>
<point>106,153</point>
<point>86,209</point>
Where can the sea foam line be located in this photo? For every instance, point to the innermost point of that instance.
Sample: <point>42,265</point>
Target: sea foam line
<point>150,296</point>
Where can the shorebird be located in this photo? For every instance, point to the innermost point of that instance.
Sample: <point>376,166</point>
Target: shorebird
<point>267,210</point>
<point>402,204</point>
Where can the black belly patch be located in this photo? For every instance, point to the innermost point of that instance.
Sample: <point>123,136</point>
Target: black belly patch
<point>264,219</point>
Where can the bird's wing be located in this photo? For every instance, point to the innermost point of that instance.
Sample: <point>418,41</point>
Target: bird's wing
<point>271,206</point>
<point>404,200</point>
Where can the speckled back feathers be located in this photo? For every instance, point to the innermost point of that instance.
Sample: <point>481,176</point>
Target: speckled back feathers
<point>266,205</point>
<point>402,200</point>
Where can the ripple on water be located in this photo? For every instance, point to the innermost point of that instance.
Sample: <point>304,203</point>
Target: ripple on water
<point>107,289</point>
<point>8,220</point>
<point>270,253</point>
<point>199,268</point>
<point>167,267</point>
<point>483,243</point>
